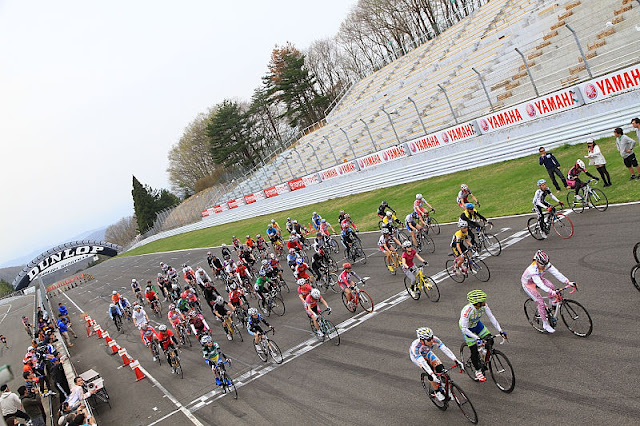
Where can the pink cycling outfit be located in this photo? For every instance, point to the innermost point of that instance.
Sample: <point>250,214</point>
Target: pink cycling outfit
<point>417,207</point>
<point>311,306</point>
<point>533,277</point>
<point>324,228</point>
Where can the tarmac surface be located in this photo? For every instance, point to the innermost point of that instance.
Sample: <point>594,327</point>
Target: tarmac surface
<point>369,378</point>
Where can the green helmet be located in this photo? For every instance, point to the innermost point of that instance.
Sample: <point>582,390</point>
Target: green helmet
<point>476,296</point>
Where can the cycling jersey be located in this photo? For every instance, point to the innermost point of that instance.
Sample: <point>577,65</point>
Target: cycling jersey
<point>253,324</point>
<point>420,353</point>
<point>172,273</point>
<point>212,353</point>
<point>301,270</point>
<point>311,303</point>
<point>315,221</point>
<point>261,244</point>
<point>202,277</point>
<point>220,309</point>
<point>260,283</point>
<point>382,210</point>
<point>459,237</point>
<point>344,280</point>
<point>175,317</point>
<point>235,296</point>
<point>165,338</point>
<point>324,228</point>
<point>470,323</point>
<point>164,268</point>
<point>225,252</point>
<point>410,221</point>
<point>408,257</point>
<point>139,318</point>
<point>250,243</point>
<point>150,295</point>
<point>135,287</point>
<point>115,298</point>
<point>539,196</point>
<point>470,217</point>
<point>346,223</point>
<point>462,196</point>
<point>189,295</point>
<point>272,232</point>
<point>113,311</point>
<point>304,290</point>
<point>384,239</point>
<point>188,273</point>
<point>534,275</point>
<point>418,206</point>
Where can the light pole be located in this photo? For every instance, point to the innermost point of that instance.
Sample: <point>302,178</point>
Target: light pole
<point>315,154</point>
<point>375,147</point>
<point>349,142</point>
<point>331,148</point>
<point>391,121</point>
<point>484,87</point>
<point>424,129</point>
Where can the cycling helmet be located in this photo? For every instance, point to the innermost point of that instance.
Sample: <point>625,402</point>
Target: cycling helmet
<point>541,181</point>
<point>464,187</point>
<point>580,163</point>
<point>112,305</point>
<point>114,292</point>
<point>541,257</point>
<point>136,306</point>
<point>299,261</point>
<point>262,273</point>
<point>385,204</point>
<point>292,250</point>
<point>159,275</point>
<point>248,236</point>
<point>324,220</point>
<point>476,296</point>
<point>193,314</point>
<point>385,231</point>
<point>389,214</point>
<point>233,286</point>
<point>288,219</point>
<point>162,328</point>
<point>252,312</point>
<point>346,265</point>
<point>270,226</point>
<point>347,216</point>
<point>462,223</point>
<point>258,236</point>
<point>184,265</point>
<point>469,205</point>
<point>295,221</point>
<point>233,237</point>
<point>341,211</point>
<point>133,280</point>
<point>219,300</point>
<point>265,261</point>
<point>273,221</point>
<point>424,333</point>
<point>406,244</point>
<point>205,340</point>
<point>272,255</point>
<point>301,281</point>
<point>241,246</point>
<point>315,213</point>
<point>292,237</point>
<point>174,286</point>
<point>315,293</point>
<point>161,263</point>
<point>418,196</point>
<point>172,306</point>
<point>223,245</point>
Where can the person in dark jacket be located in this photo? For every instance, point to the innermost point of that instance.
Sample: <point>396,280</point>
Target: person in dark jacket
<point>31,403</point>
<point>60,379</point>
<point>552,165</point>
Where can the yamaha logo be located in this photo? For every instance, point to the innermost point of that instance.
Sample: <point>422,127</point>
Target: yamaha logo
<point>591,91</point>
<point>445,137</point>
<point>531,111</point>
<point>361,163</point>
<point>484,124</point>
<point>412,147</point>
<point>385,157</point>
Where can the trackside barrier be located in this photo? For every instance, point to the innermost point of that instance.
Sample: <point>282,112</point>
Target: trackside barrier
<point>114,347</point>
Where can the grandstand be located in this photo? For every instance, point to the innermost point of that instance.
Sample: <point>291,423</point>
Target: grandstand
<point>382,109</point>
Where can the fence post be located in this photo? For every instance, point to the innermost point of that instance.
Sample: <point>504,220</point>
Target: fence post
<point>289,165</point>
<point>453,113</point>
<point>584,58</point>
<point>349,142</point>
<point>391,121</point>
<point>526,65</point>
<point>375,147</point>
<point>301,162</point>
<point>315,154</point>
<point>424,129</point>
<point>331,148</point>
<point>484,87</point>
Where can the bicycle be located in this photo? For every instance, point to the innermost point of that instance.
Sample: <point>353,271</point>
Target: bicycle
<point>425,242</point>
<point>636,252</point>
<point>395,263</point>
<point>488,241</point>
<point>451,391</point>
<point>156,307</point>
<point>424,284</point>
<point>274,303</point>
<point>174,361</point>
<point>478,268</point>
<point>117,319</point>
<point>328,280</point>
<point>431,222</point>
<point>231,328</point>
<point>326,327</point>
<point>156,351</point>
<point>268,347</point>
<point>328,261</point>
<point>140,297</point>
<point>358,297</point>
<point>569,310</point>
<point>227,382</point>
<point>280,283</point>
<point>331,244</point>
<point>493,360</point>
<point>590,197</point>
<point>183,335</point>
<point>278,248</point>
<point>354,252</point>
<point>560,223</point>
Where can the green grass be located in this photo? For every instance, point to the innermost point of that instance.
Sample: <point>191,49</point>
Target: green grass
<point>502,189</point>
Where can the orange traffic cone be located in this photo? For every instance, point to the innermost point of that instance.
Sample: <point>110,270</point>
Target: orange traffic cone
<point>125,358</point>
<point>114,347</point>
<point>135,366</point>
<point>107,338</point>
<point>98,331</point>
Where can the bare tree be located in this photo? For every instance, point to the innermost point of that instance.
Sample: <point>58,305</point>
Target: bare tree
<point>122,232</point>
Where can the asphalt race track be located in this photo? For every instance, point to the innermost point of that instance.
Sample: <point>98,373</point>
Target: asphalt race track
<point>369,378</point>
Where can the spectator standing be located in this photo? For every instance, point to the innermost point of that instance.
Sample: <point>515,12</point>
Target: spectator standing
<point>32,404</point>
<point>597,159</point>
<point>625,147</point>
<point>10,404</point>
<point>60,379</point>
<point>64,329</point>
<point>551,163</point>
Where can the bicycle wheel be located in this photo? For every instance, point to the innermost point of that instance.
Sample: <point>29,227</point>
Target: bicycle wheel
<point>277,306</point>
<point>274,351</point>
<point>464,403</point>
<point>434,225</point>
<point>456,275</point>
<point>358,251</point>
<point>635,276</point>
<point>427,244</point>
<point>502,371</point>
<point>156,353</point>
<point>492,244</point>
<point>175,363</point>
<point>350,307</point>
<point>479,269</point>
<point>333,265</point>
<point>330,331</point>
<point>533,317</point>
<point>636,252</point>
<point>576,318</point>
<point>390,265</point>
<point>365,301</point>
<point>402,236</point>
<point>333,246</point>
<point>576,205</point>
<point>236,330</point>
<point>332,282</point>
<point>283,284</point>
<point>431,289</point>
<point>118,322</point>
<point>262,351</point>
<point>598,200</point>
<point>415,294</point>
<point>426,385</point>
<point>227,384</point>
<point>534,228</point>
<point>380,224</point>
<point>563,226</point>
<point>465,358</point>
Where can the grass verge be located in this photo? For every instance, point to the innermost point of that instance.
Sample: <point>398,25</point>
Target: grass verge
<point>503,188</point>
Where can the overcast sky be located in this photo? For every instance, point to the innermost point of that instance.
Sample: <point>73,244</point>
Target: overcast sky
<point>93,92</point>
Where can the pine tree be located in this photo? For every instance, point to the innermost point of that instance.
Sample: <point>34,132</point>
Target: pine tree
<point>143,205</point>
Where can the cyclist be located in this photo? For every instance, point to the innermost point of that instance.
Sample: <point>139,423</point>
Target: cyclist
<point>408,266</point>
<point>382,210</point>
<point>345,282</point>
<point>304,288</point>
<point>189,274</point>
<point>167,339</point>
<point>164,267</point>
<point>324,228</point>
<point>315,220</point>
<point>346,237</point>
<point>242,273</point>
<point>299,230</point>
<point>148,335</point>
<point>261,287</point>
<point>245,254</point>
<point>26,324</point>
<point>386,245</point>
<point>226,253</point>
<point>254,328</point>
<point>347,222</point>
<point>470,215</point>
<point>235,242</point>
<point>214,264</point>
<point>387,221</point>
<point>573,180</point>
<point>418,206</point>
<point>294,242</point>
<point>190,297</point>
<point>458,243</point>
<point>140,317</point>
<point>62,310</point>
<point>317,263</point>
<point>533,277</point>
<point>125,307</point>
<point>237,297</point>
<point>202,277</point>
<point>473,330</point>
<point>311,302</point>
<point>414,223</point>
<point>151,296</point>
<point>172,274</point>
<point>463,196</point>
<point>540,204</point>
<point>164,285</point>
<point>422,355</point>
<point>250,242</point>
<point>211,353</point>
<point>135,287</point>
<point>198,324</point>
<point>221,310</point>
<point>274,264</point>
<point>114,311</point>
<point>341,216</point>
<point>261,245</point>
<point>276,227</point>
<point>289,225</point>
<point>174,293</point>
<point>115,297</point>
<point>291,258</point>
<point>272,233</point>
<point>175,317</point>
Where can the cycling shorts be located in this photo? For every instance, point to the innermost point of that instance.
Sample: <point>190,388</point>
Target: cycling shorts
<point>457,253</point>
<point>479,330</point>
<point>212,362</point>
<point>253,329</point>
<point>406,225</point>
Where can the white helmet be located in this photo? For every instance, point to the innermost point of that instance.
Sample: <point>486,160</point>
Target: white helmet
<point>580,163</point>
<point>424,333</point>
<point>315,293</point>
<point>464,187</point>
<point>462,223</point>
<point>133,280</point>
<point>389,214</point>
<point>301,281</point>
<point>418,196</point>
<point>265,261</point>
<point>252,312</point>
<point>406,244</point>
<point>219,300</point>
<point>114,292</point>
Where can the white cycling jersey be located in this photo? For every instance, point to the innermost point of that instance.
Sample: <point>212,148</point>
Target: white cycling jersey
<point>203,277</point>
<point>470,317</point>
<point>533,274</point>
<point>538,198</point>
<point>139,317</point>
<point>418,352</point>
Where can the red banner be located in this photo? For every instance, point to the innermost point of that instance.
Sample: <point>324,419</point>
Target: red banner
<point>296,184</point>
<point>232,204</point>
<point>205,213</point>
<point>217,209</point>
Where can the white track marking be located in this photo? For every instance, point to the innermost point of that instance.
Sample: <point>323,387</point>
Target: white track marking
<point>5,315</point>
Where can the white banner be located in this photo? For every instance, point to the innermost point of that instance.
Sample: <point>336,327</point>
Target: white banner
<point>384,156</point>
<point>611,84</point>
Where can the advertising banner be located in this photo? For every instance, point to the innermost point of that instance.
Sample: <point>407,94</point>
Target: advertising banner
<point>339,170</point>
<point>612,84</point>
<point>276,190</point>
<point>303,182</point>
<point>453,134</point>
<point>384,156</point>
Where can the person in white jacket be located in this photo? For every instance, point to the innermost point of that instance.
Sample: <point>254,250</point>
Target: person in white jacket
<point>533,278</point>
<point>597,159</point>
